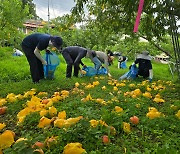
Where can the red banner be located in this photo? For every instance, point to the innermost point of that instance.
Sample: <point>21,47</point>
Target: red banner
<point>140,8</point>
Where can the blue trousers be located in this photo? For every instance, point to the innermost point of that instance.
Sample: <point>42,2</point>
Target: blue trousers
<point>97,63</point>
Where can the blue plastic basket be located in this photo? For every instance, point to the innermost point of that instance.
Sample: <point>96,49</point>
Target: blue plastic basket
<point>52,62</point>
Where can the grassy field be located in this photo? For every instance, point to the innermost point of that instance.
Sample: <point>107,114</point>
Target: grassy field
<point>93,112</point>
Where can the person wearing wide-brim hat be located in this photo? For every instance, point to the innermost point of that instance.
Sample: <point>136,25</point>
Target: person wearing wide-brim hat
<point>32,45</point>
<point>145,66</point>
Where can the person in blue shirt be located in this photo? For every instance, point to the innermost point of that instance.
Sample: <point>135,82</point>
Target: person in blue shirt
<point>32,45</point>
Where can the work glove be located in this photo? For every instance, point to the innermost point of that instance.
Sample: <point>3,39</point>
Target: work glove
<point>48,51</point>
<point>84,66</point>
<point>82,72</point>
<point>44,62</point>
<point>109,75</point>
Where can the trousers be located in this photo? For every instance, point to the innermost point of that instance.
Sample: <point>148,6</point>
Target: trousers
<point>70,61</point>
<point>36,66</point>
<point>97,63</point>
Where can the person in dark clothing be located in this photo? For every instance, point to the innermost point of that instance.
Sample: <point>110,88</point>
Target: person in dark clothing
<point>145,66</point>
<point>110,53</point>
<point>110,57</point>
<point>73,56</point>
<point>32,45</point>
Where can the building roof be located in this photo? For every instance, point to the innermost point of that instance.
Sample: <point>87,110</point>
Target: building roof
<point>34,23</point>
<point>162,55</point>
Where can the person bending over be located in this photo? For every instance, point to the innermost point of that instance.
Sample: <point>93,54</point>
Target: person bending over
<point>99,58</point>
<point>32,45</point>
<point>73,56</point>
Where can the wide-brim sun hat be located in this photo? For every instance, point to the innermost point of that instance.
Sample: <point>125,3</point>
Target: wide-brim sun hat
<point>144,55</point>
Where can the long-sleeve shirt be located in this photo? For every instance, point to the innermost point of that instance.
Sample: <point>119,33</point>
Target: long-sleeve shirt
<point>41,41</point>
<point>103,57</point>
<point>76,53</point>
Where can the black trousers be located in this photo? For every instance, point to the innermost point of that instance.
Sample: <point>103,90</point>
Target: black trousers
<point>36,66</point>
<point>144,73</point>
<point>70,62</point>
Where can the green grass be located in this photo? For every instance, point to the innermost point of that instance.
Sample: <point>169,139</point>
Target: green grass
<point>159,135</point>
<point>15,73</point>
